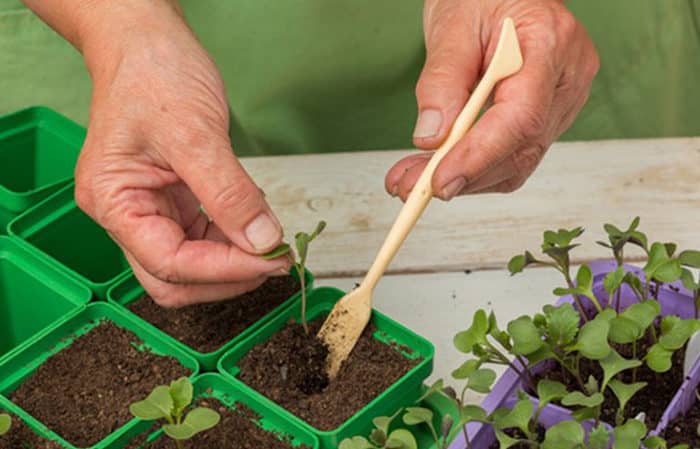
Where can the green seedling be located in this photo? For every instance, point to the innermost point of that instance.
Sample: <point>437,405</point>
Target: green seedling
<point>5,423</point>
<point>381,437</point>
<point>301,241</point>
<point>691,259</point>
<point>169,403</point>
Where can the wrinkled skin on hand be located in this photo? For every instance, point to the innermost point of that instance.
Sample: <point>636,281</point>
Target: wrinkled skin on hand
<point>528,111</point>
<point>157,148</point>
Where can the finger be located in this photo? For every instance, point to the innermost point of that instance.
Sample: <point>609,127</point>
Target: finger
<point>230,197</point>
<point>519,115</point>
<point>453,63</point>
<point>395,173</point>
<point>179,295</point>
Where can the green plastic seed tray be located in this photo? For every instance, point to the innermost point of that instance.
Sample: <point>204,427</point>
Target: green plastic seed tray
<point>15,369</point>
<point>33,295</point>
<point>128,290</point>
<point>62,233</point>
<point>404,392</point>
<point>215,386</point>
<point>38,428</point>
<point>38,151</point>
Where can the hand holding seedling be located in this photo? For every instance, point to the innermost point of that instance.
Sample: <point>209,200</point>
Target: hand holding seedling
<point>170,403</point>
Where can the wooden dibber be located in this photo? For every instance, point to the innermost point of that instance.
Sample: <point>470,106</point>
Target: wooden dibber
<point>351,314</point>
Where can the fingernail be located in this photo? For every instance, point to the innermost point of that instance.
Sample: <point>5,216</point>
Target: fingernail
<point>263,232</point>
<point>395,190</point>
<point>428,123</point>
<point>280,272</point>
<point>453,188</point>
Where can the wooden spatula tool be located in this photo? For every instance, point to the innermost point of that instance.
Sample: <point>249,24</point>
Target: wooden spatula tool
<point>351,314</point>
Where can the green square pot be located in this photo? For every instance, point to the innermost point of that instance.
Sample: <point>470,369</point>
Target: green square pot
<point>216,386</point>
<point>404,392</point>
<point>38,152</point>
<point>58,230</point>
<point>15,369</point>
<point>33,295</point>
<point>128,290</point>
<point>38,428</point>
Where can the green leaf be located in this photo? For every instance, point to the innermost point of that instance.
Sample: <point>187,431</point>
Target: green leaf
<point>592,385</point>
<point>355,443</point>
<point>562,323</point>
<point>640,239</point>
<point>614,364</point>
<point>690,258</point>
<point>501,337</point>
<point>633,281</point>
<point>471,413</point>
<point>319,228</point>
<point>655,442</point>
<point>378,437</point>
<point>5,423</point>
<point>565,435</point>
<point>613,281</point>
<point>505,441</point>
<point>401,439</point>
<point>576,398</point>
<point>464,341</point>
<point>516,264</point>
<point>158,404</point>
<point>481,380</point>
<point>518,417</point>
<point>181,391</point>
<point>549,391</point>
<point>643,313</point>
<point>436,387</point>
<point>671,248</point>
<point>624,392</point>
<point>466,369</point>
<point>629,435</point>
<point>301,240</point>
<point>196,421</point>
<point>612,231</point>
<point>383,422</point>
<point>658,358</point>
<point>584,277</point>
<point>281,250</point>
<point>592,340</point>
<point>446,425</point>
<point>623,330</point>
<point>657,256</point>
<point>688,280</point>
<point>599,437</point>
<point>677,335</point>
<point>417,415</point>
<point>526,337</point>
<point>668,271</point>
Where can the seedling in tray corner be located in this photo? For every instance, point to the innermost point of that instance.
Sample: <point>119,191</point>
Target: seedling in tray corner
<point>5,423</point>
<point>301,241</point>
<point>169,403</point>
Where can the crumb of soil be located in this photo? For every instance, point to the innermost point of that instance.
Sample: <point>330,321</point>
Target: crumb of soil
<point>684,429</point>
<point>652,400</point>
<point>237,429</point>
<point>82,393</point>
<point>207,327</point>
<point>290,369</point>
<point>20,436</point>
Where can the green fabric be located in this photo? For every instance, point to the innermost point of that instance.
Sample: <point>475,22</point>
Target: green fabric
<point>314,75</point>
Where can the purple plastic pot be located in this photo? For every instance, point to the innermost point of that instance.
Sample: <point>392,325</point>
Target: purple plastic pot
<point>674,300</point>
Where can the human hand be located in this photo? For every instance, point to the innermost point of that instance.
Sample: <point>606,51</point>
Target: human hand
<point>530,110</point>
<point>157,147</point>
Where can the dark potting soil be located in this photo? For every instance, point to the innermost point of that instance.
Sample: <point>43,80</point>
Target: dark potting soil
<point>684,429</point>
<point>207,327</point>
<point>652,399</point>
<point>236,430</point>
<point>21,436</point>
<point>290,369</point>
<point>83,392</point>
<point>517,433</point>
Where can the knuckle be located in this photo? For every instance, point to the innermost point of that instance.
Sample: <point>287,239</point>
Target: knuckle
<point>240,195</point>
<point>527,160</point>
<point>530,122</point>
<point>567,23</point>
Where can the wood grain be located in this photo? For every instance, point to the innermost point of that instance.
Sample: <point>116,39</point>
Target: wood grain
<point>578,184</point>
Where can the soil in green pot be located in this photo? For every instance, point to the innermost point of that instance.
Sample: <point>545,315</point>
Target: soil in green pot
<point>21,436</point>
<point>290,369</point>
<point>652,400</point>
<point>237,429</point>
<point>83,392</point>
<point>207,327</point>
<point>684,429</point>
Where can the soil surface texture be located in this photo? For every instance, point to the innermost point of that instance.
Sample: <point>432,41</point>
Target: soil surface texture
<point>236,430</point>
<point>290,369</point>
<point>652,400</point>
<point>21,436</point>
<point>83,392</point>
<point>684,429</point>
<point>207,327</point>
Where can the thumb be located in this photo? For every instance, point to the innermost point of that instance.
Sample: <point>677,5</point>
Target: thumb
<point>452,66</point>
<point>229,195</point>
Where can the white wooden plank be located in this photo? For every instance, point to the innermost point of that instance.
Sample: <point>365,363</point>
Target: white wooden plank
<point>583,183</point>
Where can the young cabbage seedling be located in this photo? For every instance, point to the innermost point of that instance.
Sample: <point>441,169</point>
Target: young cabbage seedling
<point>301,241</point>
<point>381,437</point>
<point>691,259</point>
<point>169,403</point>
<point>5,423</point>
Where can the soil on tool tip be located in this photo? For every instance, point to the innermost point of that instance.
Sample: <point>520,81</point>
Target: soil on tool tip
<point>289,368</point>
<point>21,436</point>
<point>83,392</point>
<point>207,327</point>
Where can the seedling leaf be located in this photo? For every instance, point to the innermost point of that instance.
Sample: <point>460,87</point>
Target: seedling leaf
<point>577,398</point>
<point>690,258</point>
<point>476,334</point>
<point>196,421</point>
<point>565,435</point>
<point>281,250</point>
<point>417,415</point>
<point>517,417</point>
<point>549,391</point>
<point>158,404</point>
<point>401,439</point>
<point>181,392</point>
<point>599,437</point>
<point>658,358</point>
<point>562,323</point>
<point>526,337</point>
<point>481,380</point>
<point>355,443</point>
<point>629,435</point>
<point>614,364</point>
<point>592,340</point>
<point>467,368</point>
<point>5,423</point>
